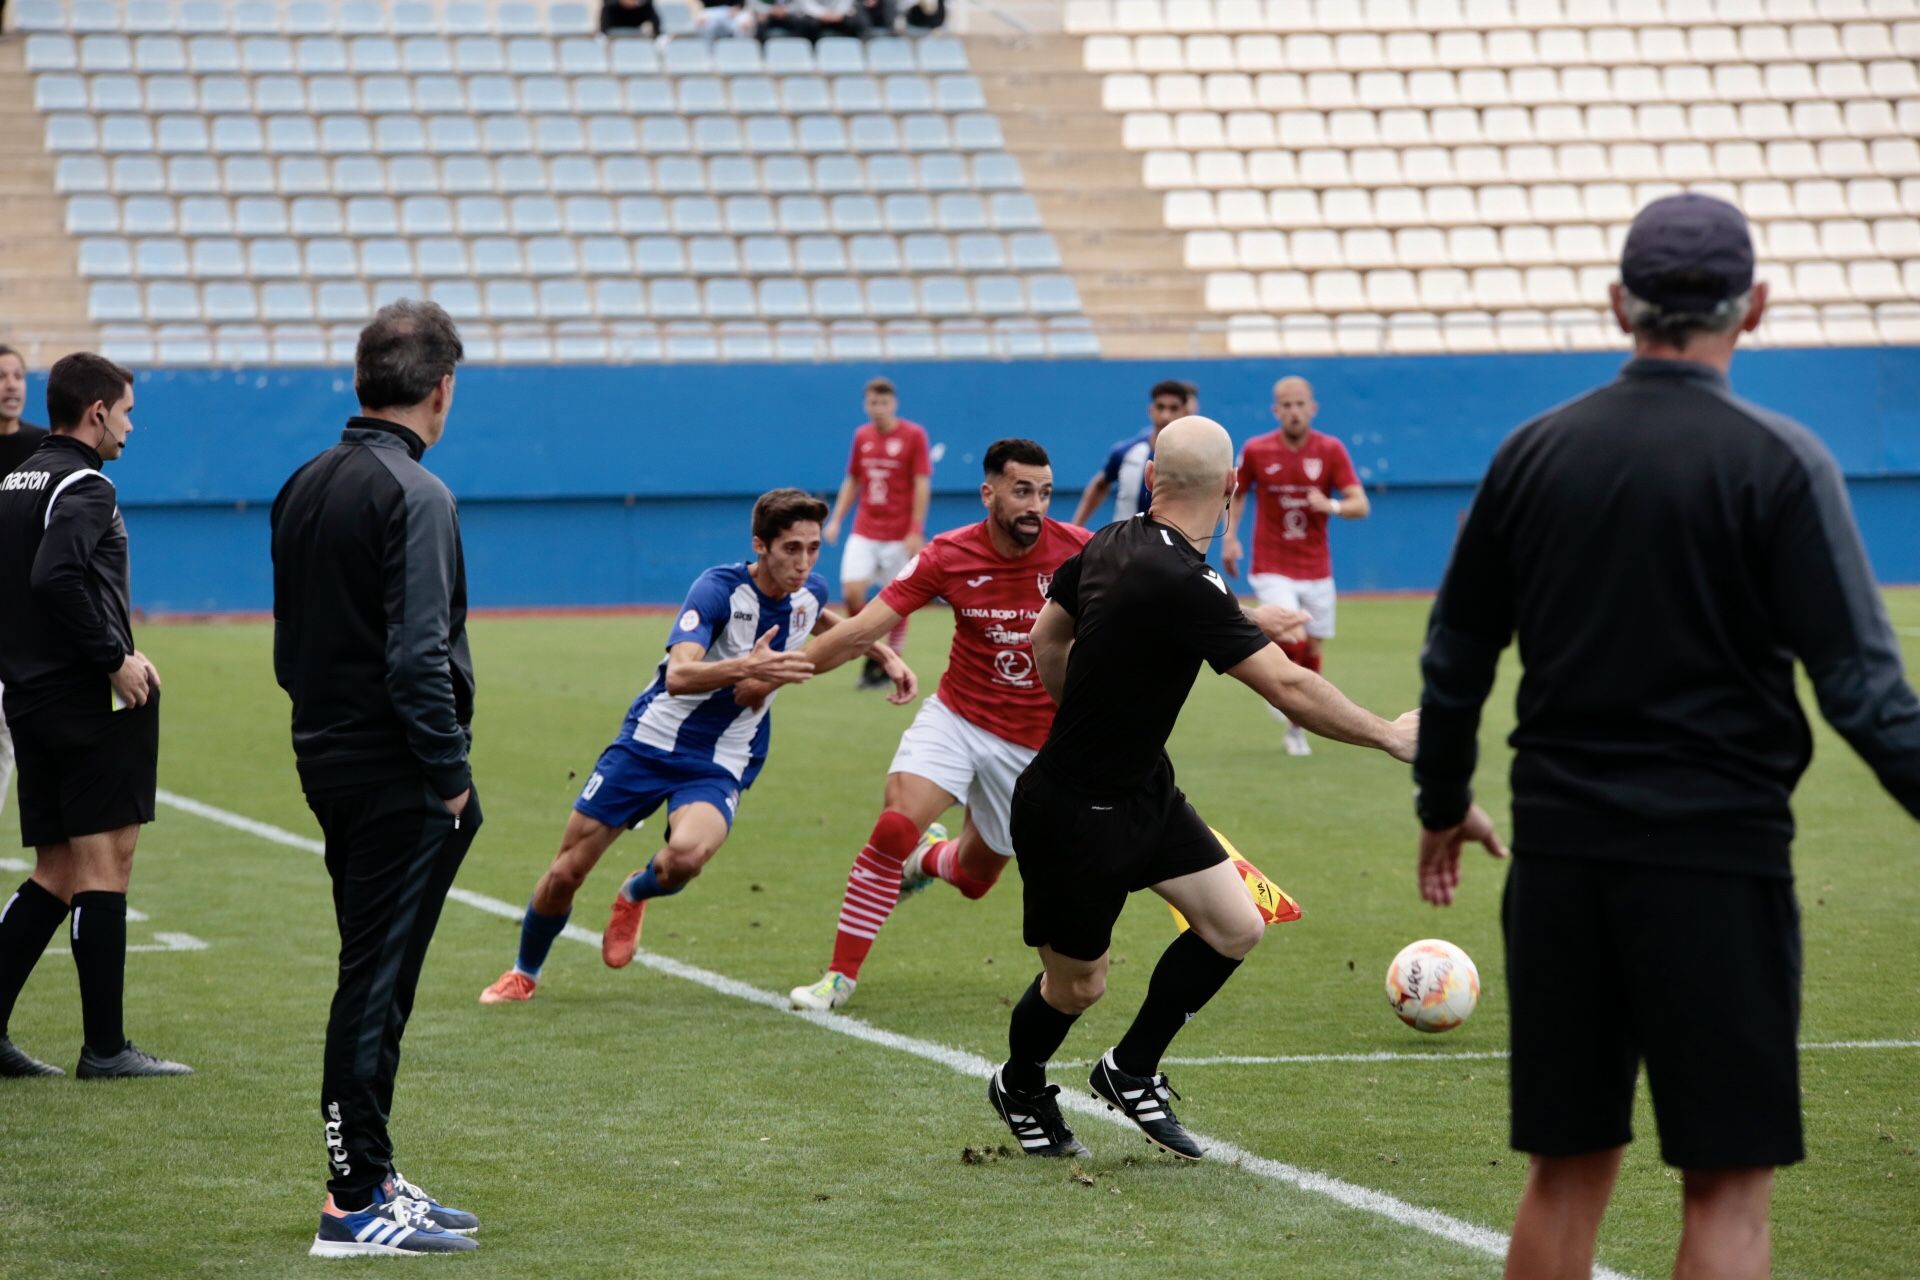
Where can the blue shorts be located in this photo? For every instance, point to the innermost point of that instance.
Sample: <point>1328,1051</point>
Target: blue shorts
<point>629,784</point>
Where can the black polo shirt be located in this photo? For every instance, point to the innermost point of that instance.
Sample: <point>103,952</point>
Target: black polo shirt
<point>16,447</point>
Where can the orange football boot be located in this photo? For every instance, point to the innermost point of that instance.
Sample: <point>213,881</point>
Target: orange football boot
<point>509,986</point>
<point>623,932</point>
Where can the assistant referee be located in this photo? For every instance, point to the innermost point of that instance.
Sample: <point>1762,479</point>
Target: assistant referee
<point>1097,815</point>
<point>1664,551</point>
<point>370,641</point>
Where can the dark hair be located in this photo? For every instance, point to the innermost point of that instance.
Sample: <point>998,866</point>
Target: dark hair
<point>882,385</point>
<point>409,346</point>
<point>1176,387</point>
<point>6,350</point>
<point>79,381</point>
<point>778,510</point>
<point>1015,449</point>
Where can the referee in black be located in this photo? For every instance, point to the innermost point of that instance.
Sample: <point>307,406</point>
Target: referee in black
<point>1665,551</point>
<point>84,708</point>
<point>1097,815</point>
<point>370,641</point>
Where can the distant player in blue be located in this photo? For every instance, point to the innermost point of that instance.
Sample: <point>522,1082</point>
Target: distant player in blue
<point>1125,472</point>
<point>697,735</point>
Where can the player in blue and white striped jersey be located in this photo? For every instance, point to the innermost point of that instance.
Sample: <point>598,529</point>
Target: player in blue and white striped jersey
<point>697,735</point>
<point>1124,473</point>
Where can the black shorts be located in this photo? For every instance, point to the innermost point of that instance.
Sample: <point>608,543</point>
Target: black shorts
<point>84,767</point>
<point>1080,854</point>
<point>1697,972</point>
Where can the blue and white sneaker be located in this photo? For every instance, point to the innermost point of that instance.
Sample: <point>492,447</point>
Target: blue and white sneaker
<point>458,1221</point>
<point>392,1227</point>
<point>914,876</point>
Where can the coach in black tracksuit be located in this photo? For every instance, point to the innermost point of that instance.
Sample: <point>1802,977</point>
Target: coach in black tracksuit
<point>369,606</point>
<point>1665,551</point>
<point>84,706</point>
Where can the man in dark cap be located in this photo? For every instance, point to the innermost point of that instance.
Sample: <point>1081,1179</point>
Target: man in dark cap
<point>1651,784</point>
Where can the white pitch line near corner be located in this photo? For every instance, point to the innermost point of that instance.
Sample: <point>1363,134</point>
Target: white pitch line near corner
<point>1482,1240</point>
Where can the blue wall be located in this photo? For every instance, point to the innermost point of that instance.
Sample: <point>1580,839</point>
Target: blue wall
<point>606,485</point>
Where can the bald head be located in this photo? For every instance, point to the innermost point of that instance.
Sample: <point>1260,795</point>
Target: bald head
<point>1192,459</point>
<point>1294,408</point>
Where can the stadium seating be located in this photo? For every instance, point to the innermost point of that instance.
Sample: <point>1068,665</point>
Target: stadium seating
<point>255,176</point>
<point>1457,175</point>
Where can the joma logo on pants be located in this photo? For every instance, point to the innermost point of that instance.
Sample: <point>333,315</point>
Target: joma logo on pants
<point>336,1145</point>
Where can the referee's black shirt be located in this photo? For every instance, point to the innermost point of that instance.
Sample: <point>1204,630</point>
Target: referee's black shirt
<point>1147,611</point>
<point>1664,551</point>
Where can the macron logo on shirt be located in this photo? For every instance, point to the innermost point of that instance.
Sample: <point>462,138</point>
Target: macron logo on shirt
<point>1214,578</point>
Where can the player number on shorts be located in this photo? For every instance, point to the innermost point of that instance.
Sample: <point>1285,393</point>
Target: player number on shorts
<point>593,785</point>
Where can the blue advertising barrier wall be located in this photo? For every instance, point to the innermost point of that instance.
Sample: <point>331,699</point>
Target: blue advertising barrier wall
<point>617,485</point>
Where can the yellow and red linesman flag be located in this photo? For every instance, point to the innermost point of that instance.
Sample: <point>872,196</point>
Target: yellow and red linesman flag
<point>1275,906</point>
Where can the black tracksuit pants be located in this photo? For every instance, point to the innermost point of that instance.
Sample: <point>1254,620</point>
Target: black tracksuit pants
<point>392,851</point>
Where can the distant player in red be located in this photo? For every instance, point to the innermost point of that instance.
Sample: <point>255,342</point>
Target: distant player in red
<point>890,473</point>
<point>1296,478</point>
<point>969,741</point>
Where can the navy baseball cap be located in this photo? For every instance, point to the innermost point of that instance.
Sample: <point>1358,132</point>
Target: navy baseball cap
<point>1688,252</point>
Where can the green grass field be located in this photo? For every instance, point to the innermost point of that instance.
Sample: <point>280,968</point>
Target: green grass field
<point>635,1123</point>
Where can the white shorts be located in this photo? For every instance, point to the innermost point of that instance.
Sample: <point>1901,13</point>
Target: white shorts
<point>866,560</point>
<point>966,761</point>
<point>1315,595</point>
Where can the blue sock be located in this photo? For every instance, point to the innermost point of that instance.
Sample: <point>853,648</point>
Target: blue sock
<point>643,884</point>
<point>537,933</point>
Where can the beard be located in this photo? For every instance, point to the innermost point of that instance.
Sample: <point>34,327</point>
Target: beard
<point>1025,530</point>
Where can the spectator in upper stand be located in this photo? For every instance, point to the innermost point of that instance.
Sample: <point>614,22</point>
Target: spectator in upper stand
<point>725,18</point>
<point>628,15</point>
<point>926,15</point>
<point>812,19</point>
<point>878,16</point>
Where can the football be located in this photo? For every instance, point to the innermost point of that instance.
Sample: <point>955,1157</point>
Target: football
<point>1432,985</point>
<point>1274,904</point>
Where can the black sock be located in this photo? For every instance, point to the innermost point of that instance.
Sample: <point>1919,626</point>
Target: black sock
<point>1189,974</point>
<point>1035,1033</point>
<point>100,955</point>
<point>27,924</point>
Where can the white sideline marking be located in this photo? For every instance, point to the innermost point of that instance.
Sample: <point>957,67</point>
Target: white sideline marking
<point>166,942</point>
<point>1480,1239</point>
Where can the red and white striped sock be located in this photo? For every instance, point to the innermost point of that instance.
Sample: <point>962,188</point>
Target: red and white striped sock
<point>943,860</point>
<point>873,890</point>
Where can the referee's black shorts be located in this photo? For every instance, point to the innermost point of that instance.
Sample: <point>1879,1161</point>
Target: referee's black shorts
<point>1081,853</point>
<point>84,767</point>
<point>1697,972</point>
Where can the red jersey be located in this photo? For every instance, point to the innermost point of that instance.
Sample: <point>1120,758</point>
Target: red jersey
<point>990,679</point>
<point>1291,539</point>
<point>886,464</point>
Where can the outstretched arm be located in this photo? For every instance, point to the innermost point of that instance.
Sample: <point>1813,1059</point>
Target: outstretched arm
<point>841,501</point>
<point>1309,700</point>
<point>688,671</point>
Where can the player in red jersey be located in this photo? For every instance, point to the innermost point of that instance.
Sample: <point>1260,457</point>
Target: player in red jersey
<point>890,473</point>
<point>1297,478</point>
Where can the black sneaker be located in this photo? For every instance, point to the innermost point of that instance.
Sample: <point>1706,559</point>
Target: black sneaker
<point>1143,1100</point>
<point>16,1062</point>
<point>873,676</point>
<point>1035,1119</point>
<point>127,1064</point>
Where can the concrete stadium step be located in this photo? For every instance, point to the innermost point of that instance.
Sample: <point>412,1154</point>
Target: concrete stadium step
<point>43,301</point>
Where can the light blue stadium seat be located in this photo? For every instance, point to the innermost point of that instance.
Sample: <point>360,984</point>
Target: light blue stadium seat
<point>72,133</point>
<point>908,93</point>
<point>219,258</point>
<point>148,216</point>
<point>520,175</point>
<point>980,252</point>
<point>944,171</point>
<point>375,55</point>
<point>207,216</point>
<point>193,176</point>
<point>1015,211</point>
<point>255,17</point>
<point>480,340</point>
<point>77,173</point>
<point>238,135</point>
<point>452,135</point>
<point>659,256</point>
<point>713,256</point>
<point>782,299</point>
<point>605,256</point>
<point>799,340</point>
<point>886,173</point>
<point>1053,295</point>
<point>225,95</point>
<point>465,175</point>
<point>729,299</point>
<point>575,175</point>
<point>517,18</point>
<point>750,216</point>
<point>281,95</point>
<point>333,95</point>
<point>997,171</point>
<point>891,297</point>
<point>304,176</point>
<point>786,175</point>
<point>130,344</point>
<point>942,54</point>
<point>267,56</point>
<point>103,53</point>
<point>247,176</point>
<point>173,94</point>
<point>386,259</point>
<point>299,344</point>
<point>874,254</point>
<point>927,252</point>
<point>461,298</point>
<point>426,56</point>
<point>822,134</point>
<point>39,16</point>
<point>696,215</point>
<point>625,175</point>
<point>788,57</point>
<point>552,256</point>
<point>481,215</point>
<point>835,175</point>
<point>51,53</point>
<point>172,301</point>
<point>856,214</point>
<point>741,341</point>
<point>999,296</point>
<point>317,216</point>
<point>870,134</point>
<point>802,215</point>
<point>855,340</point>
<point>664,134</point>
<point>242,344</point>
<point>511,300</point>
<point>160,257</point>
<point>386,95</point>
<point>330,259</point>
<point>320,56</point>
<point>1019,339</point>
<point>977,133</point>
<point>372,216</point>
<point>960,93</point>
<point>184,344</point>
<point>532,57</point>
<point>680,175</point>
<point>754,96</point>
<point>961,211</point>
<point>945,296</point>
<point>536,216</point>
<point>676,18</point>
<point>620,299</point>
<point>114,300</point>
<point>588,215</point>
<point>138,175</point>
<point>447,95</point>
<point>687,58</point>
<point>564,300</point>
<point>94,15</point>
<point>569,19</point>
<point>426,216</point>
<point>345,135</point>
<point>598,95</point>
<point>838,298</point>
<point>906,214</point>
<point>498,135</point>
<point>443,257</point>
<point>819,255</point>
<point>1033,251</point>
<point>583,56</point>
<point>117,93</point>
<point>968,340</point>
<point>856,94</point>
<point>805,95</point>
<point>926,133</point>
<point>634,342</point>
<point>766,256</point>
<point>107,257</point>
<point>273,260</point>
<point>673,299</point>
<point>612,135</point>
<point>479,56</point>
<point>910,340</point>
<point>891,57</point>
<point>359,176</point>
<point>343,300</point>
<point>689,342</point>
<point>642,215</point>
<point>737,58</point>
<point>363,18</point>
<point>385,291</point>
<point>399,135</point>
<point>634,57</point>
<point>160,55</point>
<point>199,17</point>
<point>650,96</point>
<point>733,175</point>
<point>701,95</point>
<point>840,57</point>
<point>213,56</point>
<point>717,135</point>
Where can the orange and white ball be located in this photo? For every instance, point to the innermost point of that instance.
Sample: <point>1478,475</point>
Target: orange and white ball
<point>1432,985</point>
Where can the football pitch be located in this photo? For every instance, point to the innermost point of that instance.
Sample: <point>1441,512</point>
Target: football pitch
<point>670,1119</point>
